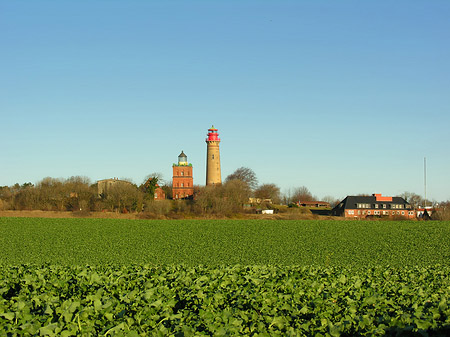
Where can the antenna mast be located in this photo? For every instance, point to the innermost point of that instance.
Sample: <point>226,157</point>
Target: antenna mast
<point>425,179</point>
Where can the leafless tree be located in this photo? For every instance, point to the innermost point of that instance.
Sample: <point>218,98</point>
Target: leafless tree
<point>268,191</point>
<point>413,199</point>
<point>331,200</point>
<point>302,194</point>
<point>246,175</point>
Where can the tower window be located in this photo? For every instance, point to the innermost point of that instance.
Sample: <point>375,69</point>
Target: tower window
<point>212,157</point>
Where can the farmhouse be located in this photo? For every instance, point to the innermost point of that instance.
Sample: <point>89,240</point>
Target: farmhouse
<point>375,205</point>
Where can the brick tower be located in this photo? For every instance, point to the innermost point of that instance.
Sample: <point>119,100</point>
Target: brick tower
<point>213,176</point>
<point>182,180</point>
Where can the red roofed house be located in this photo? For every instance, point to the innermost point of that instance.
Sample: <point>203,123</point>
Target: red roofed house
<point>375,205</point>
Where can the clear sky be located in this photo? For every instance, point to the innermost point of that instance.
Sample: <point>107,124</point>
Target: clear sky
<point>343,97</point>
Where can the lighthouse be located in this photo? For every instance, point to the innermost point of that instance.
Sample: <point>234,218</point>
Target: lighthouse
<point>213,176</point>
<point>182,180</point>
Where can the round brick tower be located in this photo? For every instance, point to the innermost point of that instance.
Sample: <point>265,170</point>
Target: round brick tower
<point>213,176</point>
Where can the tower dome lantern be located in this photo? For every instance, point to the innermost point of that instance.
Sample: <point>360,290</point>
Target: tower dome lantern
<point>213,135</point>
<point>182,159</point>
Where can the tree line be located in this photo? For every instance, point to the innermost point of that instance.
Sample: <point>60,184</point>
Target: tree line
<point>79,194</point>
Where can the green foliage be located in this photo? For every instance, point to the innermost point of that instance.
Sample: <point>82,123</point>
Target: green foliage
<point>229,300</point>
<point>104,277</point>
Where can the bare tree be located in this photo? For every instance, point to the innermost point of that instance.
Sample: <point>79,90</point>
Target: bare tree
<point>153,175</point>
<point>302,194</point>
<point>246,175</point>
<point>268,191</point>
<point>226,199</point>
<point>331,200</point>
<point>123,197</point>
<point>413,199</point>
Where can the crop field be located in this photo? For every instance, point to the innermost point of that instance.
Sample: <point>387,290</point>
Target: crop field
<point>111,277</point>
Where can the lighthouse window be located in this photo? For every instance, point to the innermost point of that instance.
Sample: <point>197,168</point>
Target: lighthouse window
<point>212,157</point>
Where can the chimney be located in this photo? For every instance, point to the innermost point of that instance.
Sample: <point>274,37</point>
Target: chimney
<point>378,197</point>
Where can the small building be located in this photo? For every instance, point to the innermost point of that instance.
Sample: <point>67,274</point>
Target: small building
<point>374,206</point>
<point>257,201</point>
<point>158,193</point>
<point>106,184</point>
<point>314,204</point>
<point>425,212</point>
<point>182,180</point>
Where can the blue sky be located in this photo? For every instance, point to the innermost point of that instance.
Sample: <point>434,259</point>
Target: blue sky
<point>343,97</point>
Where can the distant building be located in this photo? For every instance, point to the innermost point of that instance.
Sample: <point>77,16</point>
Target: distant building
<point>315,204</point>
<point>375,205</point>
<point>425,212</point>
<point>159,193</point>
<point>257,201</point>
<point>106,184</point>
<point>182,180</point>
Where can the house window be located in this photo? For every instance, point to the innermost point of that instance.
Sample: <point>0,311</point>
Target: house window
<point>351,211</point>
<point>376,205</point>
<point>368,212</point>
<point>182,173</point>
<point>359,212</point>
<point>384,206</point>
<point>182,184</point>
<point>403,212</point>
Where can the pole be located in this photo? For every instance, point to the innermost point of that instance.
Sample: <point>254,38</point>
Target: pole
<point>425,179</point>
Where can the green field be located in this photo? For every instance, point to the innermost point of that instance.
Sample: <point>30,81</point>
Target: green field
<point>91,277</point>
<point>193,242</point>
